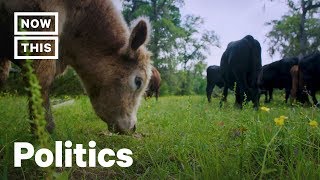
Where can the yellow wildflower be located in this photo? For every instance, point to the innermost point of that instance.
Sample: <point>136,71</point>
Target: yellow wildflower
<point>279,121</point>
<point>283,117</point>
<point>313,123</point>
<point>265,109</point>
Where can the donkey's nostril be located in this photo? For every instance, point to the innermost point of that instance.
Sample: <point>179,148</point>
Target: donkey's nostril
<point>134,128</point>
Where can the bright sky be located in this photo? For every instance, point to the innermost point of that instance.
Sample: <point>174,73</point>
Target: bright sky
<point>233,19</point>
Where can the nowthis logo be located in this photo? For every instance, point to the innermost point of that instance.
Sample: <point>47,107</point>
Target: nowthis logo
<point>36,35</point>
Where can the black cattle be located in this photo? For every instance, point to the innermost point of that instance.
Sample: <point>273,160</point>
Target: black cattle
<point>277,75</point>
<point>214,78</point>
<point>309,70</point>
<point>241,64</point>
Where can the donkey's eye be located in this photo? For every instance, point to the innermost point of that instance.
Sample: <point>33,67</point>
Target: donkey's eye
<point>138,82</point>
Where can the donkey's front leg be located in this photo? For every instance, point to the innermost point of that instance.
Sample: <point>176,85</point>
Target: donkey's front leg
<point>4,71</point>
<point>48,114</point>
<point>45,71</point>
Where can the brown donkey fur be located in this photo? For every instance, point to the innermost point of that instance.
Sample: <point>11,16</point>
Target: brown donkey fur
<point>112,62</point>
<point>154,84</point>
<point>294,71</point>
<point>4,71</point>
<point>297,81</point>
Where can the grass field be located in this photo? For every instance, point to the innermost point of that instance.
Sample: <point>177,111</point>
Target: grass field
<point>179,138</point>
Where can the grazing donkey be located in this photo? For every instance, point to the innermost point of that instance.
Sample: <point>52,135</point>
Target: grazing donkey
<point>111,61</point>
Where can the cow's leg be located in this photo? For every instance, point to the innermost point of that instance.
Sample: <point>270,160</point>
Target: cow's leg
<point>239,96</point>
<point>294,88</point>
<point>265,96</point>
<point>314,99</point>
<point>224,95</point>
<point>294,83</point>
<point>255,95</point>
<point>4,71</point>
<point>287,94</point>
<point>259,94</point>
<point>270,94</point>
<point>209,90</point>
<point>305,96</point>
<point>293,94</point>
<point>45,73</point>
<point>257,103</point>
<point>242,88</point>
<point>302,97</point>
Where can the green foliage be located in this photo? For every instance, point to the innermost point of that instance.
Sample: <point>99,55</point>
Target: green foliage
<point>297,32</point>
<point>180,138</point>
<point>67,84</point>
<point>165,18</point>
<point>178,43</point>
<point>15,83</point>
<point>193,45</point>
<point>284,36</point>
<point>34,90</point>
<point>180,82</point>
<point>38,112</point>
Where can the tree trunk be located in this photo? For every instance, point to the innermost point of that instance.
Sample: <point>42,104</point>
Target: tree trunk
<point>154,43</point>
<point>302,33</point>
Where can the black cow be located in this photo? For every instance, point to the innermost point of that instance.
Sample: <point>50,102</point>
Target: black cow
<point>309,70</point>
<point>241,64</point>
<point>277,75</point>
<point>214,78</point>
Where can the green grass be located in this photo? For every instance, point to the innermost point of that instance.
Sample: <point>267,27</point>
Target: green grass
<point>179,138</point>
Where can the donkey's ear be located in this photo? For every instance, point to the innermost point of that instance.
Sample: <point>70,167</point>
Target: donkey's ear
<point>139,34</point>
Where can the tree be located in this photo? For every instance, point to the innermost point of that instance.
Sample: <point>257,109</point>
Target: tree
<point>192,49</point>
<point>305,6</point>
<point>298,32</point>
<point>177,43</point>
<point>194,45</point>
<point>165,18</point>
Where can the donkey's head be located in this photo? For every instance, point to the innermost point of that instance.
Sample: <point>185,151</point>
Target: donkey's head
<point>120,80</point>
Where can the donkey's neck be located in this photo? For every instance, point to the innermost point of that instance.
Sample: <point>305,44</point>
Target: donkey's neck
<point>95,25</point>
<point>93,30</point>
